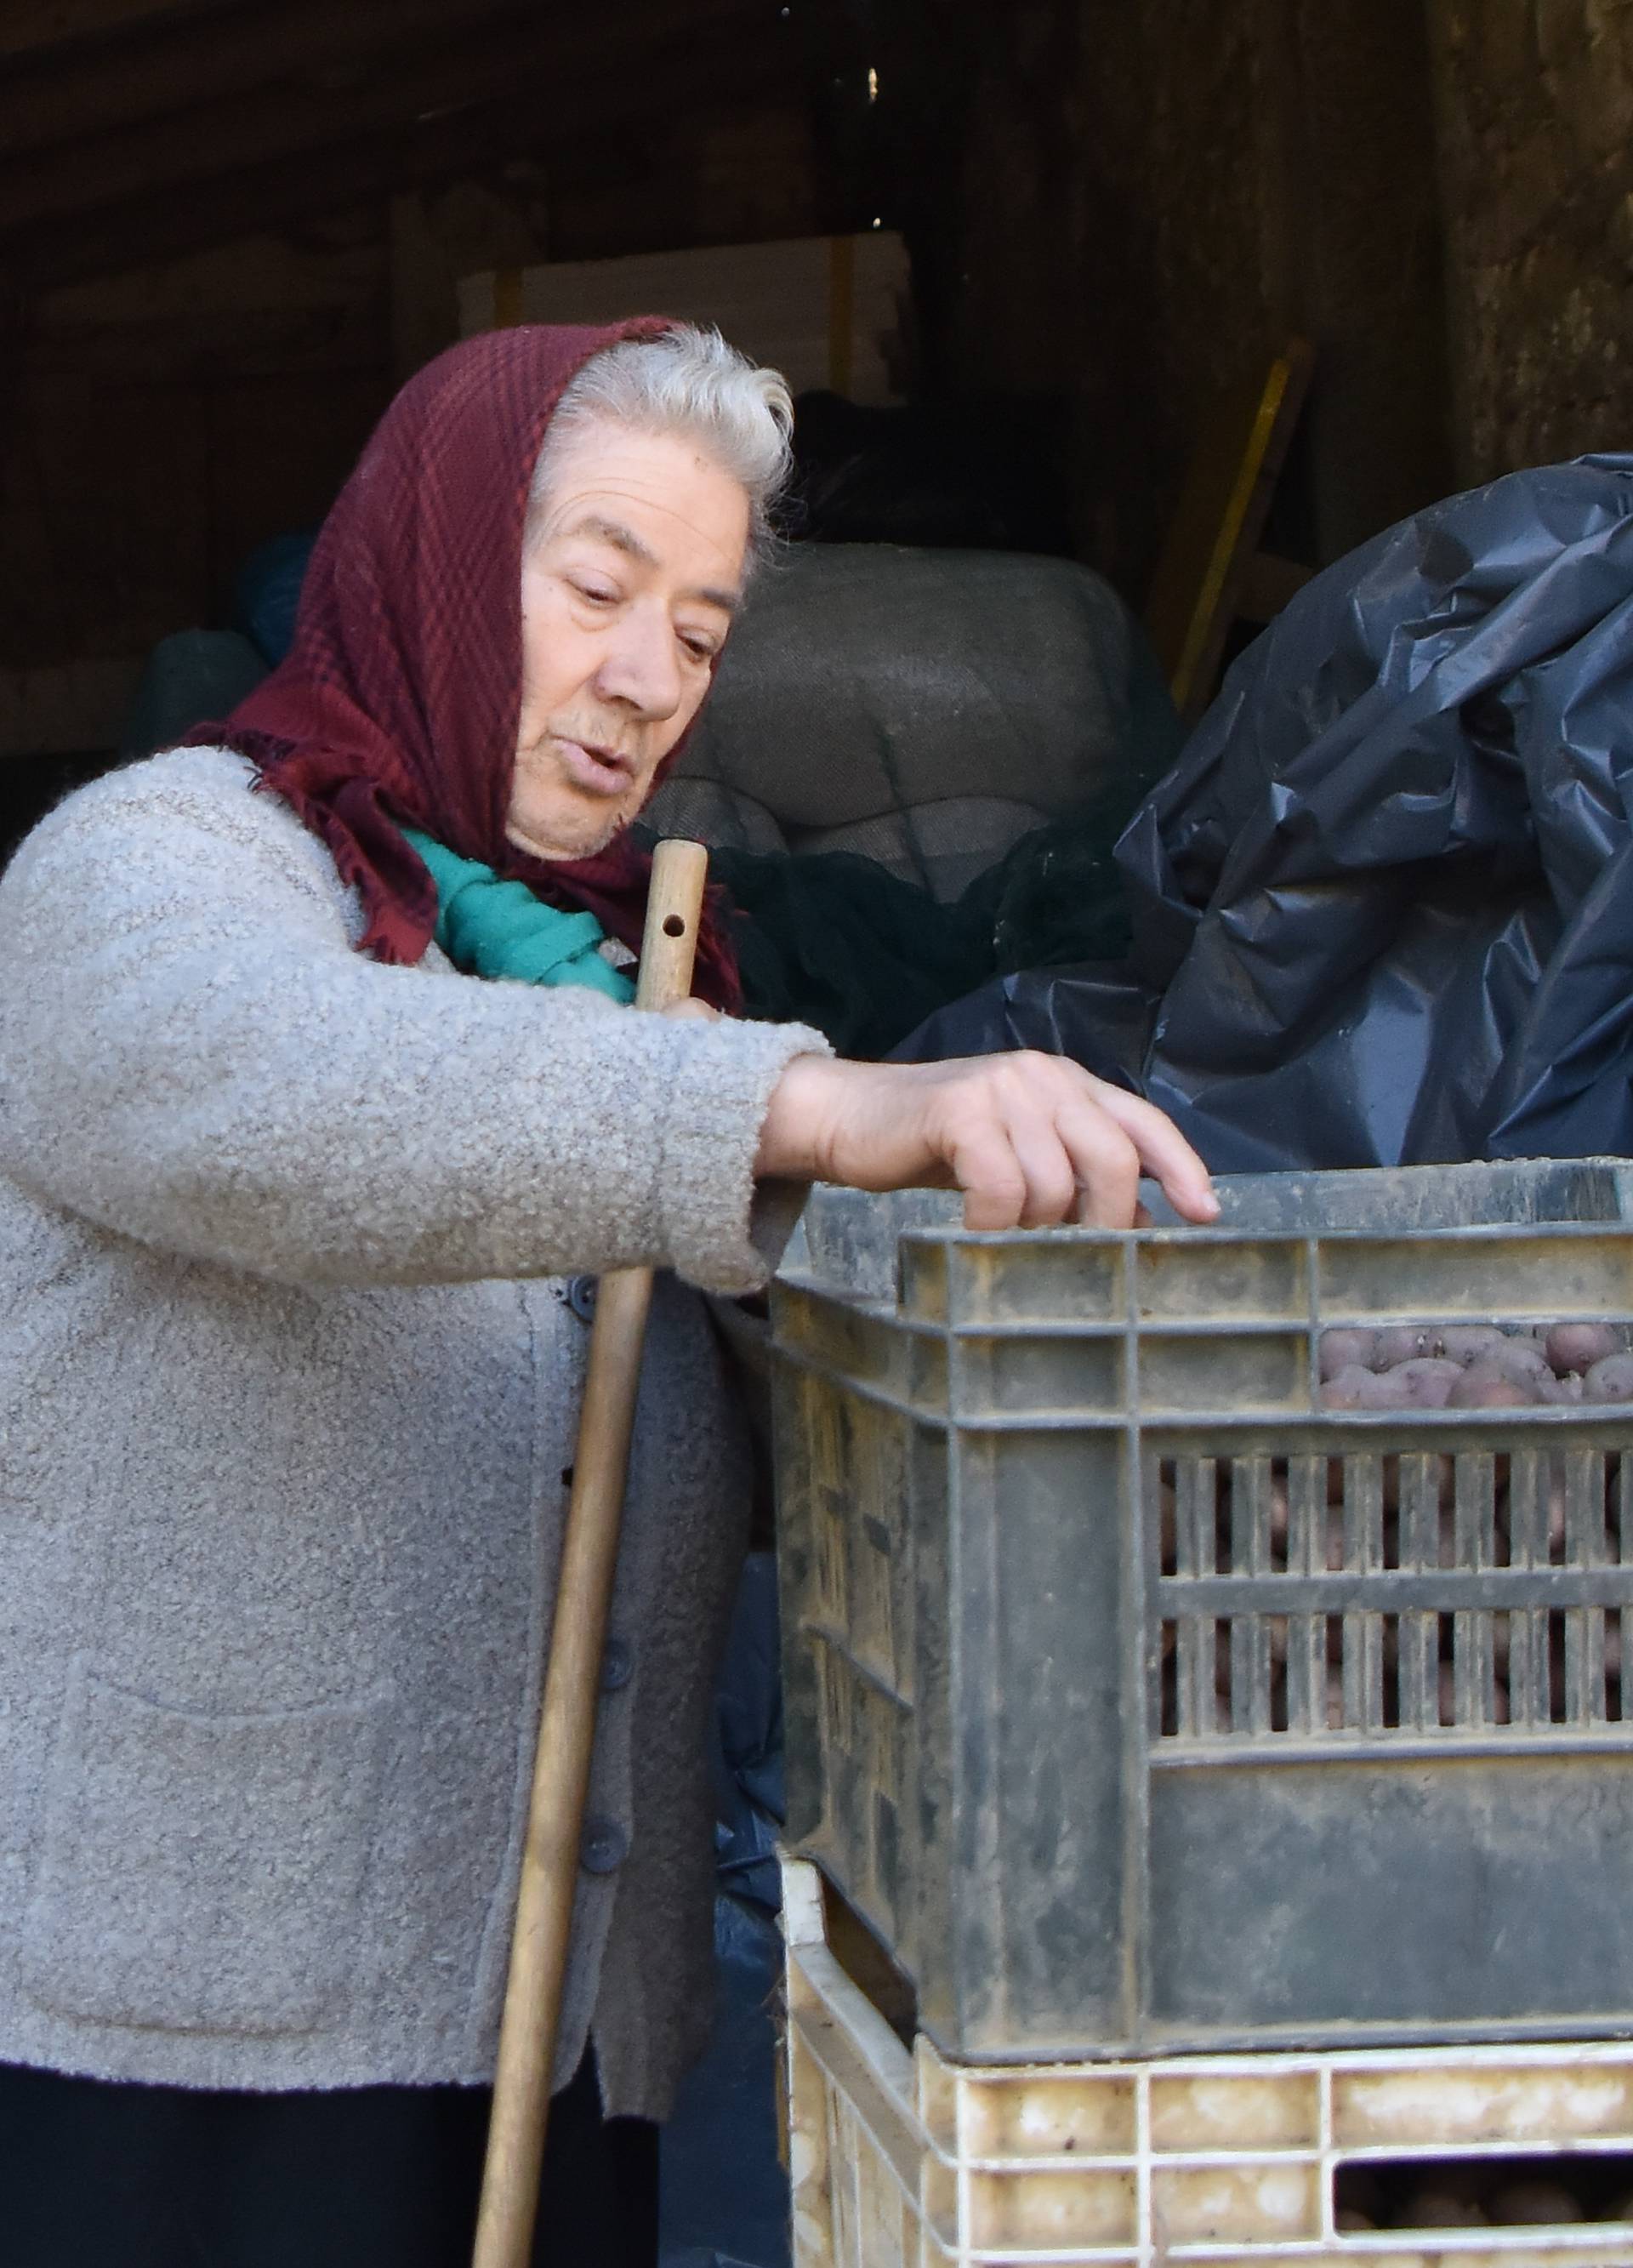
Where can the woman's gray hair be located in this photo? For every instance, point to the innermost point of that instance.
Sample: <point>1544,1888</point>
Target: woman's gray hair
<point>690,382</point>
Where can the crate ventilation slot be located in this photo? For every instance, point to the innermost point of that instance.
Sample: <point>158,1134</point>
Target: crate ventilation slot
<point>1361,1595</point>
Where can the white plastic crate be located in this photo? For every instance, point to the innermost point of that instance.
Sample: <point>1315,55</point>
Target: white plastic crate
<point>901,2159</point>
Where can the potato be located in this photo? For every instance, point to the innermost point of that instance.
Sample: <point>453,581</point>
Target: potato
<point>1337,1350</point>
<point>1349,2220</point>
<point>1521,1354</point>
<point>1280,1517</point>
<point>1485,1385</point>
<point>1610,1380</point>
<point>1404,1343</point>
<point>1465,1343</point>
<point>1579,1346</point>
<point>1355,1389</point>
<point>1397,1389</point>
<point>1425,1383</point>
<point>1534,2204</point>
<point>1565,1391</point>
<point>1555,1507</point>
<point>1432,2206</point>
<point>1448,1698</point>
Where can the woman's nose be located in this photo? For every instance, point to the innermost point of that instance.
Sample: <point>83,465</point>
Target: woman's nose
<point>641,667</point>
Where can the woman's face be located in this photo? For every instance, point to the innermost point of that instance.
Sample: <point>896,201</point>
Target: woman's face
<point>631,575</point>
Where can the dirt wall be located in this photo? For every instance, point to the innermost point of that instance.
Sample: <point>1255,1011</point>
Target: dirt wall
<point>1155,197</point>
<point>1535,109</point>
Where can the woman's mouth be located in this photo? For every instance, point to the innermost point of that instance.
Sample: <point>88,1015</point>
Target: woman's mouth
<point>596,770</point>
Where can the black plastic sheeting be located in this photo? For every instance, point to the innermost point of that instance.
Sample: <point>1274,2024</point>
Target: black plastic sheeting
<point>1382,908</point>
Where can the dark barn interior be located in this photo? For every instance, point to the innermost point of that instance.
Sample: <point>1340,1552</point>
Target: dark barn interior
<point>228,230</point>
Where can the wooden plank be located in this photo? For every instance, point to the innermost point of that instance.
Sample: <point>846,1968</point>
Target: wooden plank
<point>27,25</point>
<point>341,266</point>
<point>249,342</point>
<point>153,223</point>
<point>180,65</point>
<point>73,110</point>
<point>1217,524</point>
<point>287,120</point>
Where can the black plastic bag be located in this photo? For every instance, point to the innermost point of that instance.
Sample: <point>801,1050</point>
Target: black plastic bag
<point>1382,908</point>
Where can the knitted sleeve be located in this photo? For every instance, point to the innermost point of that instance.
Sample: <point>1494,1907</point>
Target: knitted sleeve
<point>192,1054</point>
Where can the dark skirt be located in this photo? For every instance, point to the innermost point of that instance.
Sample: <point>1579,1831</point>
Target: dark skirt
<point>98,2175</point>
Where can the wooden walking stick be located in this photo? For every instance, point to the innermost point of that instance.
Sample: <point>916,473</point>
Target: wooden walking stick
<point>561,1778</point>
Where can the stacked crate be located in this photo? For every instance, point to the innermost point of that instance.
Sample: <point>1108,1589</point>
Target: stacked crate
<point>1218,1768</point>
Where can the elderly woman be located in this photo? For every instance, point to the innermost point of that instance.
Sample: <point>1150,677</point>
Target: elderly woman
<point>298,1215</point>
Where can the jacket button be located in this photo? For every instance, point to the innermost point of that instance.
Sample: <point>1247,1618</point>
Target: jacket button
<point>605,1846</point>
<point>617,1664</point>
<point>581,1298</point>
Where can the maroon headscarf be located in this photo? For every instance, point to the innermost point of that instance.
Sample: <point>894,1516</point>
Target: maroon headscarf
<point>399,698</point>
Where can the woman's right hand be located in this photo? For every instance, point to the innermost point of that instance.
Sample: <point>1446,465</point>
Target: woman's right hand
<point>1030,1139</point>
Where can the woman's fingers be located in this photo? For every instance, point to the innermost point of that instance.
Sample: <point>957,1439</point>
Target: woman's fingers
<point>691,1012</point>
<point>1106,1166</point>
<point>1038,1140</point>
<point>1030,1139</point>
<point>1163,1151</point>
<point>986,1168</point>
<point>1032,1148</point>
<point>1052,1180</point>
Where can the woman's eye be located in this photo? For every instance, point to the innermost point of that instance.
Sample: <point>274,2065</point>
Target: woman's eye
<point>596,593</point>
<point>701,649</point>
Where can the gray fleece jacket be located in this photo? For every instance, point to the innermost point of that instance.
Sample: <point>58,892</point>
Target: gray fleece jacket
<point>289,1382</point>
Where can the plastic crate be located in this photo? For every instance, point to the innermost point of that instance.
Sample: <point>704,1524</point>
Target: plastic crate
<point>1040,1495</point>
<point>900,2159</point>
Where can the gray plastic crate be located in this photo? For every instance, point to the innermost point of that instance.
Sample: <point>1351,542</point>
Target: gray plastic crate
<point>1113,1664</point>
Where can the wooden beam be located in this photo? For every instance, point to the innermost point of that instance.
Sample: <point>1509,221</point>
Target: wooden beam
<point>27,25</point>
<point>296,114</point>
<point>176,65</point>
<point>286,119</point>
<point>526,120</point>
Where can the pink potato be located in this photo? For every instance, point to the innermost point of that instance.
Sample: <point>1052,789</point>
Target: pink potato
<point>1610,1380</point>
<point>1397,1389</point>
<point>1487,1385</point>
<point>1465,1343</point>
<point>1567,1389</point>
<point>1521,1353</point>
<point>1343,1349</point>
<point>1431,2207</point>
<point>1579,1346</point>
<point>1425,1383</point>
<point>1354,1389</point>
<point>1280,1517</point>
<point>1404,1343</point>
<point>1534,2204</point>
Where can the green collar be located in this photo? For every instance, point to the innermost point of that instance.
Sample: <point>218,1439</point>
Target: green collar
<point>490,927</point>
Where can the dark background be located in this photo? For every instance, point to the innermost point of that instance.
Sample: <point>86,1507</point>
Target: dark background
<point>230,228</point>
